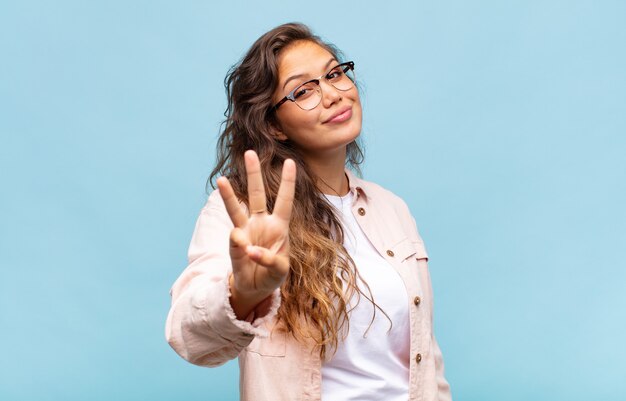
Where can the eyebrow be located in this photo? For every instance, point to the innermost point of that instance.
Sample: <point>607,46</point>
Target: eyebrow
<point>291,78</point>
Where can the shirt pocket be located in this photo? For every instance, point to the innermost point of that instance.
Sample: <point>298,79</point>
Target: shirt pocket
<point>404,250</point>
<point>273,346</point>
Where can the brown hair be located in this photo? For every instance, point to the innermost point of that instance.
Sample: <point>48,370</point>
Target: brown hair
<point>313,300</point>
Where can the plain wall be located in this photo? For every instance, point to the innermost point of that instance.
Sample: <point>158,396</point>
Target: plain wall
<point>501,124</point>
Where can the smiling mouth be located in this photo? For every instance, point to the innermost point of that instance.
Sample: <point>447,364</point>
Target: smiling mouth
<point>339,118</point>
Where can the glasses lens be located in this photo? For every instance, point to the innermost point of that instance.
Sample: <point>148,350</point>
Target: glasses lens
<point>308,95</point>
<point>341,77</point>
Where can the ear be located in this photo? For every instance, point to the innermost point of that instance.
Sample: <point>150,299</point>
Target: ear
<point>277,132</point>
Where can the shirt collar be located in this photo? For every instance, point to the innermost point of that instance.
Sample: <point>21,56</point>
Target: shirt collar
<point>356,184</point>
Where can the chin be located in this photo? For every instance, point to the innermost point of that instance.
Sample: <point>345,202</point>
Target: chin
<point>355,129</point>
<point>348,133</point>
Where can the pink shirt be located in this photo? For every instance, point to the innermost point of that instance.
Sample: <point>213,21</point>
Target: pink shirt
<point>202,327</point>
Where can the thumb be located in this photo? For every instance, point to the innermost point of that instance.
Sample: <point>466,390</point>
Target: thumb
<point>238,243</point>
<point>278,265</point>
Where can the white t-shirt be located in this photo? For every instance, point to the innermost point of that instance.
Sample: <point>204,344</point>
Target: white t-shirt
<point>374,367</point>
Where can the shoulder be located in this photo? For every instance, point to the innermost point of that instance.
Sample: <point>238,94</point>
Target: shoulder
<point>214,200</point>
<point>381,195</point>
<point>212,215</point>
<point>391,208</point>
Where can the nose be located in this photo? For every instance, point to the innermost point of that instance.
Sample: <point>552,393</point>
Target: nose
<point>330,94</point>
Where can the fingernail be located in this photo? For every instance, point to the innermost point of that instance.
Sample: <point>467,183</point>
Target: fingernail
<point>253,251</point>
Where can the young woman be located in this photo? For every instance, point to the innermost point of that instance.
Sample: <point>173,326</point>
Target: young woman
<point>316,279</point>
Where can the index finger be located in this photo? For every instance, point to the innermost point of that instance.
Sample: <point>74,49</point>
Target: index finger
<point>284,198</point>
<point>237,216</point>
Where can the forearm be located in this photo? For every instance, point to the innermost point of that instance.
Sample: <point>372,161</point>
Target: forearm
<point>202,326</point>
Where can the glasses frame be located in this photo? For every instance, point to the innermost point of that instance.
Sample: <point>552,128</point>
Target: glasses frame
<point>348,65</point>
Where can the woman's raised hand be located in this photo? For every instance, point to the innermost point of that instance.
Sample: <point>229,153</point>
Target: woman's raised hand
<point>259,243</point>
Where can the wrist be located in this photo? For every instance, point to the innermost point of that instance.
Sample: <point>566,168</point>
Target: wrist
<point>254,294</point>
<point>243,303</point>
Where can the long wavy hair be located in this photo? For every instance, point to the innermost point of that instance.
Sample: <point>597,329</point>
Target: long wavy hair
<point>322,276</point>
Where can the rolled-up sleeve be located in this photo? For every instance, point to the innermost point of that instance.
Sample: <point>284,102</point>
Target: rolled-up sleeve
<point>201,325</point>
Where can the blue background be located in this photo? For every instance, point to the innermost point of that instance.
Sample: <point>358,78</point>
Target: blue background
<point>501,123</point>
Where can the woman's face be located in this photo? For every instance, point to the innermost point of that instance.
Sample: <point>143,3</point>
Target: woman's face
<point>335,122</point>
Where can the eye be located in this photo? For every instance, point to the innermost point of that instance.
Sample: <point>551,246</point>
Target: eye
<point>300,93</point>
<point>304,91</point>
<point>335,74</point>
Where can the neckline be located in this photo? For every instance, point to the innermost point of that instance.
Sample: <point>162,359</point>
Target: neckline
<point>341,201</point>
<point>349,186</point>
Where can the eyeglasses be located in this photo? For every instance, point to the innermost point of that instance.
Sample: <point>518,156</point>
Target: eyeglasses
<point>308,95</point>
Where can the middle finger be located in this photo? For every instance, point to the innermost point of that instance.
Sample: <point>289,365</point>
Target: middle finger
<point>256,190</point>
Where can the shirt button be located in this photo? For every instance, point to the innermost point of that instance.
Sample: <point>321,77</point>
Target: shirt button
<point>390,252</point>
<point>417,300</point>
<point>362,211</point>
<point>418,358</point>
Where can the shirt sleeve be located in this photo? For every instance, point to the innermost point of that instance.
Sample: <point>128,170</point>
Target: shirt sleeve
<point>201,325</point>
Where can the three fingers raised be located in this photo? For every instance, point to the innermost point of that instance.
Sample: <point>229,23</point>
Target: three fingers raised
<point>256,191</point>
